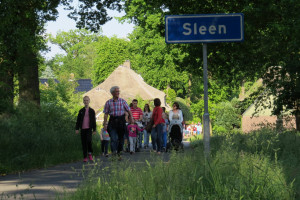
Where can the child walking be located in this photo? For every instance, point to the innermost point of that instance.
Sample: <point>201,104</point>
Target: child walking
<point>132,131</point>
<point>104,136</point>
<point>86,122</point>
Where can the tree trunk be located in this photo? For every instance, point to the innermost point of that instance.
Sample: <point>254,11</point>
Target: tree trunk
<point>28,78</point>
<point>6,88</point>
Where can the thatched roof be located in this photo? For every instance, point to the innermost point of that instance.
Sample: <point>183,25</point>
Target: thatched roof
<point>131,85</point>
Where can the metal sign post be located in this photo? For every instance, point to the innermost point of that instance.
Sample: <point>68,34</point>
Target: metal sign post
<point>206,114</point>
<point>204,29</point>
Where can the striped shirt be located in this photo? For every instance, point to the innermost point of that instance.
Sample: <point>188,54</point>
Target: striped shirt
<point>136,113</point>
<point>116,108</point>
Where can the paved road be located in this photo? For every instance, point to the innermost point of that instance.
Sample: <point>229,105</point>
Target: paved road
<point>50,182</point>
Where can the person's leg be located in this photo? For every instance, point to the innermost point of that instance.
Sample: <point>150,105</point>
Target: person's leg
<point>146,138</point>
<point>133,142</point>
<point>141,138</point>
<point>153,138</point>
<point>159,129</point>
<point>84,142</point>
<point>114,140</point>
<point>106,146</point>
<point>120,140</point>
<point>89,141</point>
<point>165,139</point>
<point>103,146</point>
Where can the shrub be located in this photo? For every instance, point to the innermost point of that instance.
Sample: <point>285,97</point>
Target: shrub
<point>32,138</point>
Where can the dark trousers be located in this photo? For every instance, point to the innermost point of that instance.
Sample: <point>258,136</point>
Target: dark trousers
<point>104,146</point>
<point>116,129</point>
<point>86,141</point>
<point>117,140</point>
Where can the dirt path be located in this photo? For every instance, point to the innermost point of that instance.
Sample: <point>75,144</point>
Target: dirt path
<point>50,182</point>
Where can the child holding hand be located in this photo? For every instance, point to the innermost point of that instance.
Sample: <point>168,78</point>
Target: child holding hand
<point>104,136</point>
<point>132,130</point>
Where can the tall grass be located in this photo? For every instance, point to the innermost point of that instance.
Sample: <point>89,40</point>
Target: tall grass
<point>234,171</point>
<point>34,138</point>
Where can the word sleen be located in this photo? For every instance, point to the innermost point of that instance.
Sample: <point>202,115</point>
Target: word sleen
<point>219,29</point>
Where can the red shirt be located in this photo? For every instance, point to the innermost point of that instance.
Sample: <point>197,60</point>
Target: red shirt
<point>136,113</point>
<point>157,115</point>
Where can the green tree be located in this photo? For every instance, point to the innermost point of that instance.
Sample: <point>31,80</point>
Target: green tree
<point>21,28</point>
<point>79,45</point>
<point>111,52</point>
<point>159,65</point>
<point>48,73</point>
<point>271,38</point>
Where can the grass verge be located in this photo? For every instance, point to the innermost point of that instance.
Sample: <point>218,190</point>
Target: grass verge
<point>240,167</point>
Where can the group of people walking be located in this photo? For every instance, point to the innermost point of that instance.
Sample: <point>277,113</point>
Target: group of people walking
<point>123,124</point>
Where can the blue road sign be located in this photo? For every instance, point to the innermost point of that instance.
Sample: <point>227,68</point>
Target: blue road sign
<point>204,28</point>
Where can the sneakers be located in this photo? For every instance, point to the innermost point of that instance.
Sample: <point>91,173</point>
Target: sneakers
<point>85,160</point>
<point>90,157</point>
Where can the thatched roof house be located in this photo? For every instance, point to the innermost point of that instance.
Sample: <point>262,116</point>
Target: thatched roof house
<point>131,85</point>
<point>255,118</point>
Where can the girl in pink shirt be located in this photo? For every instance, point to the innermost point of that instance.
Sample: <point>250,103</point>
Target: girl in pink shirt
<point>132,131</point>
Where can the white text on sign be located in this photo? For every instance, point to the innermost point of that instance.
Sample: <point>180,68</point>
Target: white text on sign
<point>220,29</point>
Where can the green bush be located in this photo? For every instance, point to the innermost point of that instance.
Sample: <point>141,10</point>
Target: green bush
<point>33,137</point>
<point>227,116</point>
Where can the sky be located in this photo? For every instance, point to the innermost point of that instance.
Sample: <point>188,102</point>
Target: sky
<point>63,23</point>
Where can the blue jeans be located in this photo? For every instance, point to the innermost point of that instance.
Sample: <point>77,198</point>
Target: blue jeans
<point>164,139</point>
<point>116,140</point>
<point>146,138</point>
<point>156,136</point>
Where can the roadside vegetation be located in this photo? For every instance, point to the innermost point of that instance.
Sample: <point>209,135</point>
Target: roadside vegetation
<point>259,165</point>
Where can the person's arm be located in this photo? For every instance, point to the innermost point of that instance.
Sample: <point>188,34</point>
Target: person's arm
<point>170,115</point>
<point>127,108</point>
<point>105,118</point>
<point>94,127</point>
<point>77,123</point>
<point>106,112</point>
<point>139,129</point>
<point>101,138</point>
<point>180,116</point>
